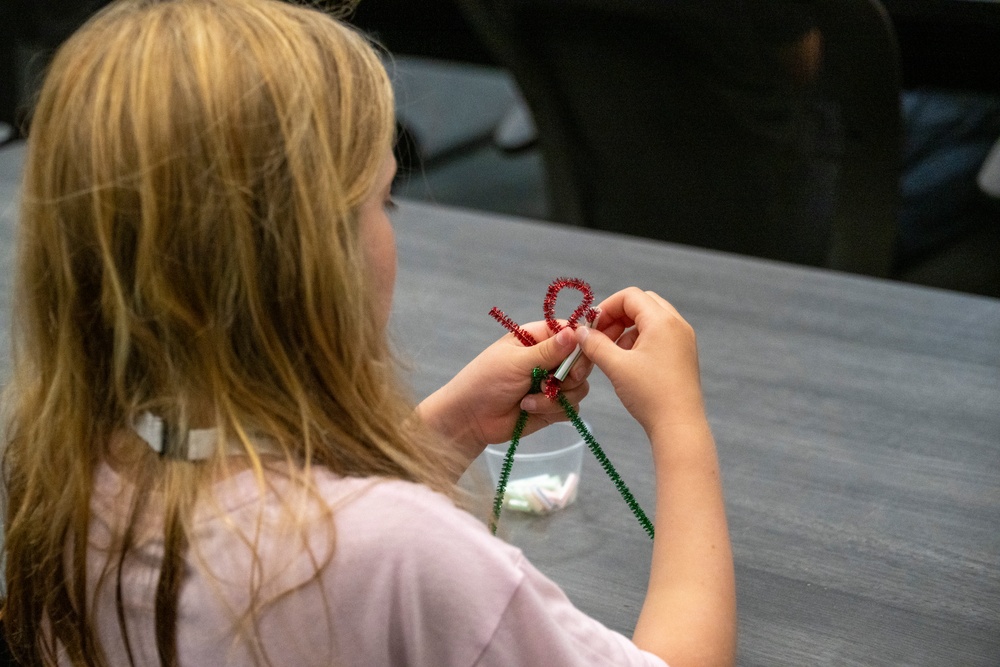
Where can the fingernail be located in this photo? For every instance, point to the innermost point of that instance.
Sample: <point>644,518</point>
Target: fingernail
<point>565,336</point>
<point>529,403</point>
<point>582,333</point>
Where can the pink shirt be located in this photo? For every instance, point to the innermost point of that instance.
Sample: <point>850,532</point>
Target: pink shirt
<point>408,579</point>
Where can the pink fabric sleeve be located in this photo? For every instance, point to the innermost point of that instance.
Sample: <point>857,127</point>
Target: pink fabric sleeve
<point>459,596</point>
<point>541,626</point>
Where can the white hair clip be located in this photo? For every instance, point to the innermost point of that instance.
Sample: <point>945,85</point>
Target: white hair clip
<point>198,445</point>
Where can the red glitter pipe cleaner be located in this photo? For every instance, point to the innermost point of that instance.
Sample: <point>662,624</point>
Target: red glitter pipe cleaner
<point>551,385</point>
<point>583,310</point>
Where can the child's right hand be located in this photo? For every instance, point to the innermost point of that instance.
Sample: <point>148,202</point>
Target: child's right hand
<point>650,354</point>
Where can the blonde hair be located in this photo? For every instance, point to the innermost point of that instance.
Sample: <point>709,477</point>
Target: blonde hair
<point>189,246</point>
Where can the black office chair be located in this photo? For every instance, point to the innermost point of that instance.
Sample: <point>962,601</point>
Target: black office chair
<point>665,120</point>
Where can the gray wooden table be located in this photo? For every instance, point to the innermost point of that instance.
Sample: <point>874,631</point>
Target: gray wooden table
<point>858,423</point>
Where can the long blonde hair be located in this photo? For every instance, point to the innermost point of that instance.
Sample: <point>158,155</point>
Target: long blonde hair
<point>189,246</point>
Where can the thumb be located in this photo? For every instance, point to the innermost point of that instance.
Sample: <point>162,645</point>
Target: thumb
<point>596,345</point>
<point>550,352</point>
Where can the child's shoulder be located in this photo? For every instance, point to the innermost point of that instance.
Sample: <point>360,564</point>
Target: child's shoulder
<point>402,546</point>
<point>406,521</point>
<point>394,508</point>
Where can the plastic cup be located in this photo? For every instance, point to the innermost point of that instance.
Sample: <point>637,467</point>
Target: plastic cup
<point>546,471</point>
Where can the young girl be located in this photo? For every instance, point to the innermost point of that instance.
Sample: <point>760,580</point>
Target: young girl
<point>209,460</point>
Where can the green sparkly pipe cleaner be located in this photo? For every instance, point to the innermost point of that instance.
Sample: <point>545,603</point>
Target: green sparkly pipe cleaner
<point>538,375</point>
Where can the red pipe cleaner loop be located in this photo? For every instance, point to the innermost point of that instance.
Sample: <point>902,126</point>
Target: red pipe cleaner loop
<point>550,386</point>
<point>584,310</point>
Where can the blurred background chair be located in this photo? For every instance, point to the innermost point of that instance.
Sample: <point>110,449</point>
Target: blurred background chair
<point>719,126</point>
<point>950,215</point>
<point>686,121</point>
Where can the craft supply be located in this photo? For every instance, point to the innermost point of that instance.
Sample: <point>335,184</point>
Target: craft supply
<point>196,444</point>
<point>541,494</point>
<point>526,338</point>
<point>549,385</point>
<point>567,365</point>
<point>508,463</point>
<point>609,469</point>
<point>545,470</point>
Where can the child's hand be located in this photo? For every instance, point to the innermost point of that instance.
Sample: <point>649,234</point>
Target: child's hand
<point>480,405</point>
<point>650,354</point>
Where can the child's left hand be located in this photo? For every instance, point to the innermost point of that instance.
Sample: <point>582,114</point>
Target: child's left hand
<point>480,405</point>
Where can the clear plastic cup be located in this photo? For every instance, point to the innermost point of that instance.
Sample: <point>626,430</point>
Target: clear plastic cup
<point>546,471</point>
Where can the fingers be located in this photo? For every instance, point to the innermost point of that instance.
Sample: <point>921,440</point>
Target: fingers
<point>619,312</point>
<point>539,329</point>
<point>538,404</point>
<point>628,307</point>
<point>551,352</point>
<point>627,340</point>
<point>581,370</point>
<point>574,394</point>
<point>597,346</point>
<point>614,309</point>
<point>538,422</point>
<point>624,316</point>
<point>666,305</point>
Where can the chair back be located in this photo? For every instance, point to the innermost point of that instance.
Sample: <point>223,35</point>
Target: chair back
<point>668,120</point>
